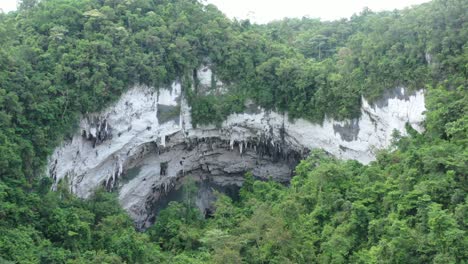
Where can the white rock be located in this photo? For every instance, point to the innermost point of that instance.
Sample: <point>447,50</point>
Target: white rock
<point>129,135</point>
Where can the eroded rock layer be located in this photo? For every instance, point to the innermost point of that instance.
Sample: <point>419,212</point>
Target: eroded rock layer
<point>144,144</point>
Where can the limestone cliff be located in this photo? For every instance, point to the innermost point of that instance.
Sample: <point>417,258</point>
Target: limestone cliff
<point>144,144</point>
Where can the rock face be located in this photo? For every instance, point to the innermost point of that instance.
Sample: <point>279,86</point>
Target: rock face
<point>144,145</point>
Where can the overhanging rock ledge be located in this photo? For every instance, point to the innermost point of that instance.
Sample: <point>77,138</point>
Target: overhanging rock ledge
<point>145,143</point>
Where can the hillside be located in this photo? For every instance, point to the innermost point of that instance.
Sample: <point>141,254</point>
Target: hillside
<point>61,60</point>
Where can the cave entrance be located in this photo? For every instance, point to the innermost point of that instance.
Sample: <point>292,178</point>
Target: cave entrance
<point>201,194</point>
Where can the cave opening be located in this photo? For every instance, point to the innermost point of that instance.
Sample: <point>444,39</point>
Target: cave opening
<point>159,174</point>
<point>199,193</point>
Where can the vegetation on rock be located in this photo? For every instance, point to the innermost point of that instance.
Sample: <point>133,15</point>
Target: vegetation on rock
<point>63,58</point>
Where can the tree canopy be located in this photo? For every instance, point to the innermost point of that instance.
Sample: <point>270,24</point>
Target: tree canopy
<point>60,59</point>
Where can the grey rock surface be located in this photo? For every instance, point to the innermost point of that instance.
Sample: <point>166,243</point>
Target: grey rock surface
<point>144,145</point>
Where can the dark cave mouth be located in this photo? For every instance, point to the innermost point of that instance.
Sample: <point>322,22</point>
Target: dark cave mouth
<point>213,165</point>
<point>200,193</point>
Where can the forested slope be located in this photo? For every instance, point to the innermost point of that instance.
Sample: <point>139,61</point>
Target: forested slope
<point>63,58</point>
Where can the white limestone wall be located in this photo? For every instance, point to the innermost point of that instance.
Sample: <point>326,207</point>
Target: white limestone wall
<point>205,78</point>
<point>132,123</point>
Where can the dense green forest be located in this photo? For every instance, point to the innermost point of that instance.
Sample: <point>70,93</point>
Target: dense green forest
<point>63,58</point>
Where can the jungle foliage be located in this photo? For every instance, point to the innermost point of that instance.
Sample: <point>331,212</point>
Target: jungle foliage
<point>63,58</point>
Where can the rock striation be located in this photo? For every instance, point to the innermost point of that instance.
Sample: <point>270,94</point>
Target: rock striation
<point>144,145</point>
